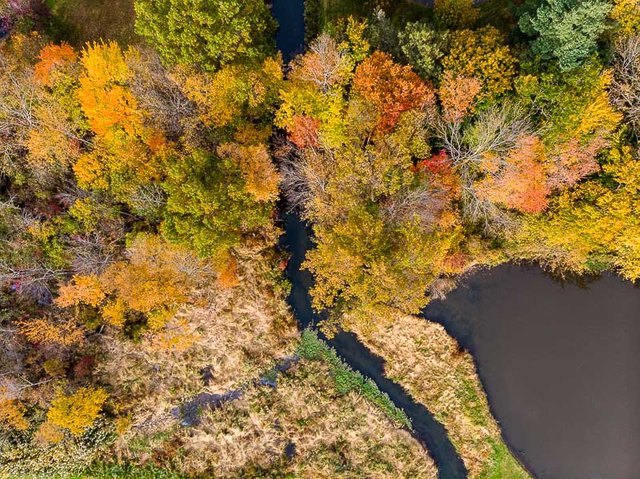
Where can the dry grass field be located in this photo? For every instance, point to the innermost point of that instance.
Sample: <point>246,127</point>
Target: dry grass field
<point>423,358</point>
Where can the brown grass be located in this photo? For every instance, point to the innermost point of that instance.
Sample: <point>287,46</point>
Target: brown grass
<point>334,436</point>
<point>422,357</point>
<point>239,334</point>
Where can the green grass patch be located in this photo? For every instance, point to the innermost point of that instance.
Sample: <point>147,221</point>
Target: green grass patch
<point>473,405</point>
<point>81,21</point>
<point>346,379</point>
<point>503,465</point>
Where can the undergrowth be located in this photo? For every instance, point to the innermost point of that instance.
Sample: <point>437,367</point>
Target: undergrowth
<point>346,379</point>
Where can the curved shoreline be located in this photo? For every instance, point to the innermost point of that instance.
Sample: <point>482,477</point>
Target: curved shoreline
<point>427,429</point>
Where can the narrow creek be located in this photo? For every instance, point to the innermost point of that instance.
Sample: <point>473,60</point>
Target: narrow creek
<point>426,429</point>
<point>559,361</point>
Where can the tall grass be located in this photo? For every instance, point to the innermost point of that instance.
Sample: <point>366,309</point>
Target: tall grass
<point>346,379</point>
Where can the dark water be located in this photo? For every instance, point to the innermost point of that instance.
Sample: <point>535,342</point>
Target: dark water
<point>426,429</point>
<point>561,366</point>
<point>290,40</point>
<point>290,34</point>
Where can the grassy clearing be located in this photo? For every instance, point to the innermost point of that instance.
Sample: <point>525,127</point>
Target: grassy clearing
<point>303,428</point>
<point>335,434</point>
<point>423,358</point>
<point>80,21</point>
<point>346,379</point>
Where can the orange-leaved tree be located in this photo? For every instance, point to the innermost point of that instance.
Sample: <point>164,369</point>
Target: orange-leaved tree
<point>155,280</point>
<point>391,89</point>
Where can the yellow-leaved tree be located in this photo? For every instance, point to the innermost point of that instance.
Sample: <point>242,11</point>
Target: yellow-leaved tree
<point>78,411</point>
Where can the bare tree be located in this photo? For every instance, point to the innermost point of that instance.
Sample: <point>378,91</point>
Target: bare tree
<point>325,64</point>
<point>625,87</point>
<point>424,203</point>
<point>305,174</point>
<point>158,94</point>
<point>494,133</point>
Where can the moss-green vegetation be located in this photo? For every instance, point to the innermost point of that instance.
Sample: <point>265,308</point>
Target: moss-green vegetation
<point>346,379</point>
<point>502,464</point>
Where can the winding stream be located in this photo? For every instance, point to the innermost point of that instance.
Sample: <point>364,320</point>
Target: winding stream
<point>559,362</point>
<point>426,429</point>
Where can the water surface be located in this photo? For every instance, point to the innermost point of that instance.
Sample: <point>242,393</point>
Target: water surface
<point>560,364</point>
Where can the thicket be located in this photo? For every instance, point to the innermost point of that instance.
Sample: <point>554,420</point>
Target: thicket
<point>139,190</point>
<point>420,150</point>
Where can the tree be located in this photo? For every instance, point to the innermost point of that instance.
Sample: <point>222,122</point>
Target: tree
<point>625,87</point>
<point>457,97</point>
<point>49,332</point>
<point>325,65</point>
<point>236,94</point>
<point>12,412</point>
<point>259,172</point>
<point>206,35</point>
<point>626,14</point>
<point>576,117</point>
<point>51,58</point>
<point>385,229</point>
<point>39,120</point>
<point>481,54</point>
<point>390,89</point>
<point>422,47</point>
<point>566,30</point>
<point>455,14</point>
<point>520,183</point>
<point>592,227</point>
<point>78,411</point>
<point>208,206</point>
<point>127,153</point>
<point>154,281</point>
<point>315,90</point>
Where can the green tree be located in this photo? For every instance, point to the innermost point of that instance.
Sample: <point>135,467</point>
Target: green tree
<point>422,47</point>
<point>566,30</point>
<point>206,34</point>
<point>208,206</point>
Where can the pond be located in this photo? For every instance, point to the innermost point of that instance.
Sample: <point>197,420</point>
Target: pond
<point>560,364</point>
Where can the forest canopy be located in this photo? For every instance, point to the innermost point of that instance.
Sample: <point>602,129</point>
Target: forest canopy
<point>142,187</point>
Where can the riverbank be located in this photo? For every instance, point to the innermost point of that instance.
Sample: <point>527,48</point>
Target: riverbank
<point>424,359</point>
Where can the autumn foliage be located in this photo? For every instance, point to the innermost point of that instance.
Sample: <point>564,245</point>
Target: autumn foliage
<point>76,412</point>
<point>391,89</point>
<point>52,57</point>
<point>154,281</point>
